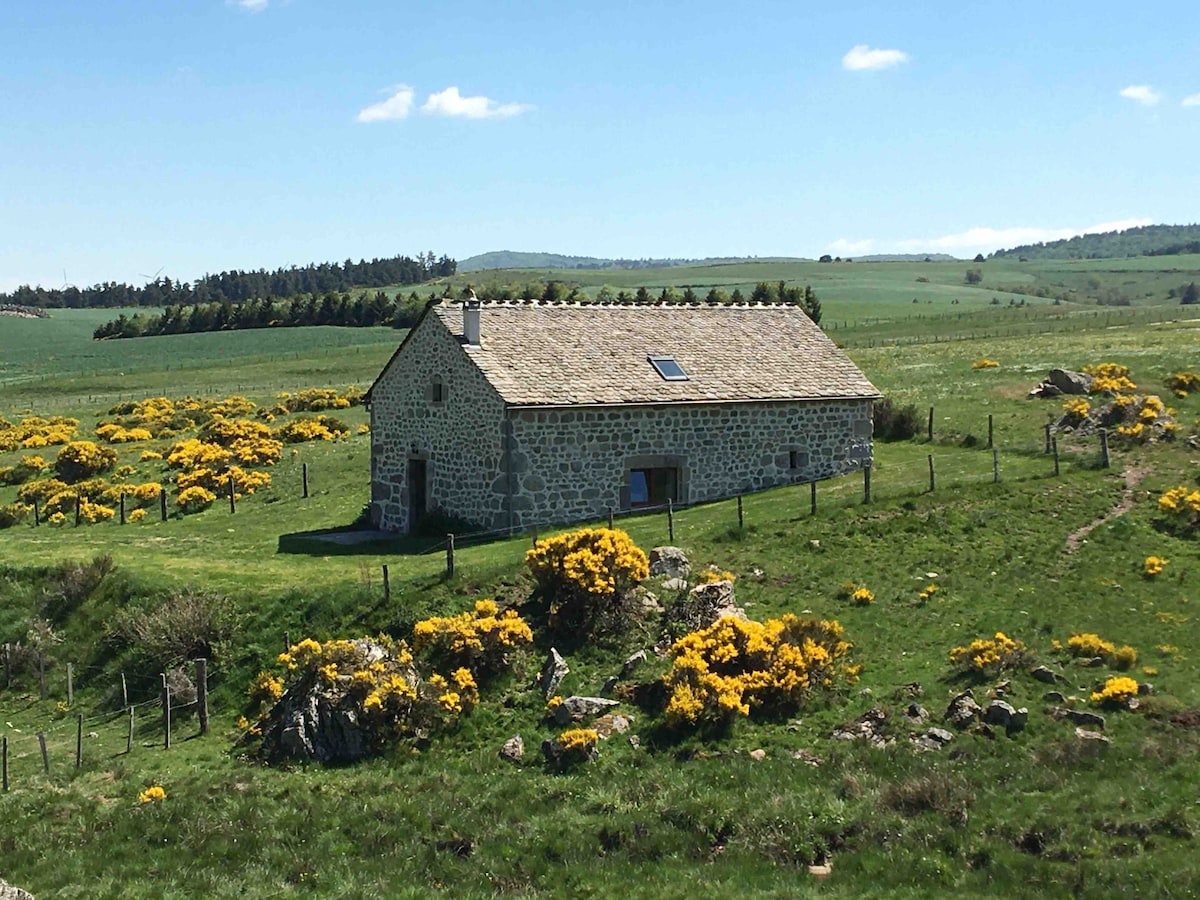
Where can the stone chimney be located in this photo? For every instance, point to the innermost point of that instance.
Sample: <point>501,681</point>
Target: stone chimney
<point>471,321</point>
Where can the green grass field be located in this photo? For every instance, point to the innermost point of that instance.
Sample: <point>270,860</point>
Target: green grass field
<point>1040,813</point>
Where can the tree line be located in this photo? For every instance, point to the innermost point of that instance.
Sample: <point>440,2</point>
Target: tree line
<point>1148,240</point>
<point>379,309</point>
<point>236,286</point>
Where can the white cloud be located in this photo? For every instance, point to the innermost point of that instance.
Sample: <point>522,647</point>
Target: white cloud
<point>450,103</point>
<point>397,106</point>
<point>985,240</point>
<point>250,5</point>
<point>1142,93</point>
<point>860,58</point>
<point>1192,100</point>
<point>845,247</point>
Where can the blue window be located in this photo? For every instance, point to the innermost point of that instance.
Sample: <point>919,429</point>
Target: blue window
<point>668,368</point>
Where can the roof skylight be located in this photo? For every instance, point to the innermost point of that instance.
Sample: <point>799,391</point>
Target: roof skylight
<point>668,368</point>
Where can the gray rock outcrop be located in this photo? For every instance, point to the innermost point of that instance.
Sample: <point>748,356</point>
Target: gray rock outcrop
<point>575,708</point>
<point>669,562</point>
<point>554,671</point>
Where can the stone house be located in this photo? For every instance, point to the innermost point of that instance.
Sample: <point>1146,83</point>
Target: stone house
<point>511,415</point>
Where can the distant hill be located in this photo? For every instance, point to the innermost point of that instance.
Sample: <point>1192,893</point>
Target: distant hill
<point>1148,240</point>
<point>514,259</point>
<point>907,257</point>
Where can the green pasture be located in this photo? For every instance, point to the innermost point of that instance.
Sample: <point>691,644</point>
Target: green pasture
<point>1038,813</point>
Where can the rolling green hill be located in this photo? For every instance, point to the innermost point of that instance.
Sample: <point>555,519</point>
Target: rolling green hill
<point>1148,240</point>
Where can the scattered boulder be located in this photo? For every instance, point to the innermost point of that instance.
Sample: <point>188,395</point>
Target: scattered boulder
<point>609,685</point>
<point>932,739</point>
<point>1084,735</point>
<point>1145,689</point>
<point>1069,382</point>
<point>999,713</point>
<point>1045,674</point>
<point>675,584</point>
<point>807,757</point>
<point>310,723</point>
<point>941,735</point>
<point>9,892</point>
<point>1054,697</point>
<point>916,714</point>
<point>963,710</point>
<point>758,755</point>
<point>607,726</point>
<point>575,708</point>
<point>513,749</point>
<point>1018,721</point>
<point>869,727</point>
<point>1078,716</point>
<point>670,562</point>
<point>554,671</point>
<point>701,606</point>
<point>1094,662</point>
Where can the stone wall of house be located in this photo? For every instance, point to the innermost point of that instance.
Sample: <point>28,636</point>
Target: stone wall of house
<point>571,465</point>
<point>459,436</point>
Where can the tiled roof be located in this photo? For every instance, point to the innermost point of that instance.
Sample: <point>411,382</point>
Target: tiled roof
<point>546,354</point>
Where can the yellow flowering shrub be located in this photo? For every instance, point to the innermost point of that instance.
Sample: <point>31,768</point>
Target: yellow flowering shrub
<point>586,575</point>
<point>1180,507</point>
<point>26,468</point>
<point>250,442</point>
<point>1184,383</point>
<point>312,428</point>
<point>194,453</point>
<point>82,459</point>
<point>990,655</point>
<point>90,513</point>
<point>320,399</point>
<point>1076,410</point>
<point>928,593</point>
<point>1117,691</point>
<point>736,667</point>
<point>1109,377</point>
<point>149,455</point>
<point>712,575</point>
<point>112,433</point>
<point>862,597</point>
<point>985,364</point>
<point>1153,566</point>
<point>14,514</point>
<point>1089,645</point>
<point>33,432</point>
<point>194,499</point>
<point>266,688</point>
<point>136,516</point>
<point>481,641</point>
<point>152,794</point>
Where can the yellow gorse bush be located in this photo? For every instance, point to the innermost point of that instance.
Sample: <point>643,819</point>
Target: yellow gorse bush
<point>985,363</point>
<point>1110,377</point>
<point>320,399</point>
<point>1181,506</point>
<point>312,428</point>
<point>990,655</point>
<point>195,499</point>
<point>33,432</point>
<point>712,575</point>
<point>1077,409</point>
<point>1183,383</point>
<point>1117,691</point>
<point>480,641</point>
<point>596,561</point>
<point>1089,645</point>
<point>578,741</point>
<point>734,667</point>
<point>152,794</point>
<point>82,459</point>
<point>1153,565</point>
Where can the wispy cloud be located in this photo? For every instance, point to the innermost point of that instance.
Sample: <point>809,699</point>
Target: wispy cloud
<point>1142,93</point>
<point>1191,100</point>
<point>844,247</point>
<point>450,103</point>
<point>862,58</point>
<point>250,5</point>
<point>397,106</point>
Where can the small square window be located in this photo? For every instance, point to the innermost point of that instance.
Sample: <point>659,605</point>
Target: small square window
<point>797,459</point>
<point>437,392</point>
<point>668,368</point>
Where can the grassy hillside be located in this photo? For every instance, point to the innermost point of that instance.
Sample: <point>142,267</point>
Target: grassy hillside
<point>1147,240</point>
<point>1040,812</point>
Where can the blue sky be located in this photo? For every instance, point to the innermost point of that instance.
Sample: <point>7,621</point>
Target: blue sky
<point>197,135</point>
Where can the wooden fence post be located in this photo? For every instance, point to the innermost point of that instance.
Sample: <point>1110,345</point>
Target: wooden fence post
<point>41,736</point>
<point>42,674</point>
<point>70,684</point>
<point>4,756</point>
<point>812,503</point>
<point>670,521</point>
<point>1054,444</point>
<point>932,482</point>
<point>79,741</point>
<point>930,429</point>
<point>78,508</point>
<point>990,445</point>
<point>1104,447</point>
<point>7,666</point>
<point>162,504</point>
<point>1047,427</point>
<point>304,476</point>
<point>449,556</point>
<point>741,518</point>
<point>232,507</point>
<point>166,712</point>
<point>387,585</point>
<point>37,512</point>
<point>995,466</point>
<point>129,739</point>
<point>287,642</point>
<point>610,519</point>
<point>122,507</point>
<point>202,694</point>
<point>867,482</point>
<point>124,691</point>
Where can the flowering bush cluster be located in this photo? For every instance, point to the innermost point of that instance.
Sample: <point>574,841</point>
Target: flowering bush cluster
<point>985,363</point>
<point>57,497</point>
<point>1090,645</point>
<point>82,459</point>
<point>113,433</point>
<point>990,655</point>
<point>312,428</point>
<point>320,399</point>
<point>1117,691</point>
<point>249,442</point>
<point>482,640</point>
<point>928,593</point>
<point>1109,377</point>
<point>1140,419</point>
<point>1076,411</point>
<point>858,594</point>
<point>711,575</point>
<point>152,794</point>
<point>35,432</point>
<point>207,468</point>
<point>1184,383</point>
<point>1181,506</point>
<point>14,514</point>
<point>586,575</point>
<point>735,667</point>
<point>26,468</point>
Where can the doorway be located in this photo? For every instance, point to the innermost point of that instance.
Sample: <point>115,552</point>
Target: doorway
<point>418,497</point>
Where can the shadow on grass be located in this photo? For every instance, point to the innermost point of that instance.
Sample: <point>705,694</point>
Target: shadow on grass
<point>355,541</point>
